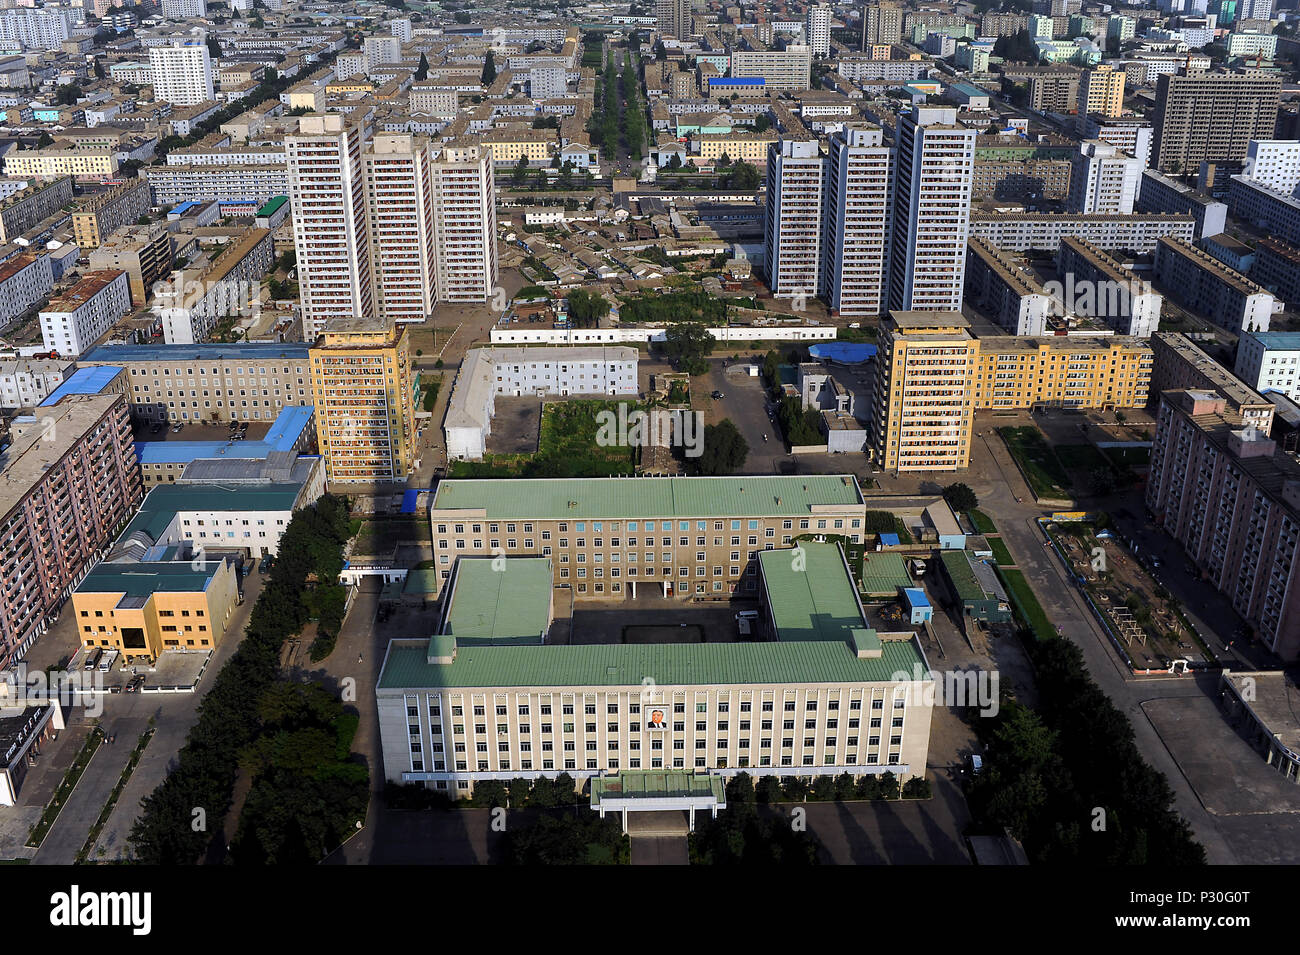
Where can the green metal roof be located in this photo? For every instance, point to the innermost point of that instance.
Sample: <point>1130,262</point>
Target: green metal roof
<point>810,593</point>
<point>669,664</point>
<point>657,785</point>
<point>962,577</point>
<point>883,572</point>
<point>500,600</point>
<point>145,578</point>
<point>642,497</point>
<point>161,504</point>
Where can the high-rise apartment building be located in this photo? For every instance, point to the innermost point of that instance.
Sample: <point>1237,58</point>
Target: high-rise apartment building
<point>817,28</point>
<point>1274,163</point>
<point>1101,92</point>
<point>465,222</point>
<point>379,50</point>
<point>935,163</point>
<point>792,218</point>
<point>859,192</point>
<point>1104,180</point>
<point>182,74</point>
<point>400,211</point>
<point>362,388</point>
<point>1220,487</point>
<point>923,406</point>
<point>330,226</point>
<point>882,23</point>
<point>1212,116</point>
<point>673,18</point>
<point>184,9</point>
<point>70,478</point>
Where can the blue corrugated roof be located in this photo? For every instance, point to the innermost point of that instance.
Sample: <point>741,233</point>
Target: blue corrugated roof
<point>283,435</point>
<point>916,597</point>
<point>185,207</point>
<point>889,540</point>
<point>737,80</point>
<point>261,351</point>
<point>83,381</point>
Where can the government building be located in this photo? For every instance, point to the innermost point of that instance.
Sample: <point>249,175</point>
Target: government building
<point>660,718</point>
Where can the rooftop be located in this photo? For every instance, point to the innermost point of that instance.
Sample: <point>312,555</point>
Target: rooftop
<point>614,498</point>
<point>499,603</point>
<point>83,381</point>
<point>260,351</point>
<point>668,664</point>
<point>143,578</point>
<point>163,502</point>
<point>284,434</point>
<point>39,444</point>
<point>811,594</point>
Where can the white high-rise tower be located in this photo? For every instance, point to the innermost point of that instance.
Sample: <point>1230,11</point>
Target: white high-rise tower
<point>859,190</point>
<point>932,195</point>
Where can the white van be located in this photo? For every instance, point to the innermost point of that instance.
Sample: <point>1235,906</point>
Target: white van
<point>106,660</point>
<point>747,615</point>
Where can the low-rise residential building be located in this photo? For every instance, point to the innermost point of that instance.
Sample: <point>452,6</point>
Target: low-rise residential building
<point>1099,286</point>
<point>101,215</point>
<point>230,286</point>
<point>1181,365</point>
<point>1043,231</point>
<point>22,210</point>
<point>56,161</point>
<point>75,320</point>
<point>1277,268</point>
<point>1159,193</point>
<point>25,280</point>
<point>1004,289</point>
<point>1204,284</point>
<point>26,382</point>
<point>488,372</point>
<point>144,252</point>
<point>245,381</point>
<point>1270,361</point>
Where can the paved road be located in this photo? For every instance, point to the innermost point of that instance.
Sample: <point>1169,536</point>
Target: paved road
<point>994,477</point>
<point>127,715</point>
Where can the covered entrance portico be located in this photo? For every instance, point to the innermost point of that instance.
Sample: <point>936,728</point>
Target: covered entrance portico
<point>658,791</point>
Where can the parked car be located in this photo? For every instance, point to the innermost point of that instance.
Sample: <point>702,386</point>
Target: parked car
<point>176,429</point>
<point>717,396</point>
<point>92,659</point>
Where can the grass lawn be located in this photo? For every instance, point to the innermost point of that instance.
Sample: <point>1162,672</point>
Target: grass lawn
<point>983,523</point>
<point>1000,552</point>
<point>1042,468</point>
<point>567,447</point>
<point>1027,606</point>
<point>1080,457</point>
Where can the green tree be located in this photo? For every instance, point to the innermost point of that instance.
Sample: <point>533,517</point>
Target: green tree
<point>586,309</point>
<point>724,451</point>
<point>422,70</point>
<point>744,177</point>
<point>960,497</point>
<point>520,175</point>
<point>489,68</point>
<point>214,46</point>
<point>98,66</point>
<point>67,94</point>
<point>688,344</point>
<point>45,140</point>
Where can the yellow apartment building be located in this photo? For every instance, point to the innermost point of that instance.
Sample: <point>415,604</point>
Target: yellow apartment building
<point>141,609</point>
<point>1107,372</point>
<point>739,147</point>
<point>1101,91</point>
<point>933,375</point>
<point>508,145</point>
<point>362,387</point>
<point>923,407</point>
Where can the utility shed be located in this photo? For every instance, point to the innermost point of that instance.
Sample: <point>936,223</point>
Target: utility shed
<point>975,586</point>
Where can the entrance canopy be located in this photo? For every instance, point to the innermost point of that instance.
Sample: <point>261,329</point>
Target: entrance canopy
<point>657,791</point>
